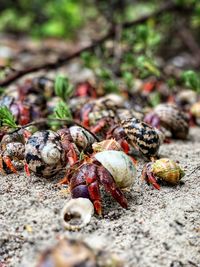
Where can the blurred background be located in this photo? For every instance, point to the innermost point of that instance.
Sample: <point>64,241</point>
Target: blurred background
<point>51,29</point>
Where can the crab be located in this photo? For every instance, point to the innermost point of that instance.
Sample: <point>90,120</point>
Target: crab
<point>109,102</point>
<point>12,151</point>
<point>163,169</point>
<point>171,118</point>
<point>111,169</point>
<point>138,134</point>
<point>47,152</point>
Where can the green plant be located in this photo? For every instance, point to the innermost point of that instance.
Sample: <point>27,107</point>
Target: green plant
<point>6,118</point>
<point>192,80</point>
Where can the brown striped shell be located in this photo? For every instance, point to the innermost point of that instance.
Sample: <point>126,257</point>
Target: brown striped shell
<point>142,136</point>
<point>167,170</point>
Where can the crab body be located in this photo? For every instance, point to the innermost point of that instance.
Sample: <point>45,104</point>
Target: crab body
<point>163,169</point>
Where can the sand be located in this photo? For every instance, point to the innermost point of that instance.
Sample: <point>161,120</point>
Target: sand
<point>160,228</point>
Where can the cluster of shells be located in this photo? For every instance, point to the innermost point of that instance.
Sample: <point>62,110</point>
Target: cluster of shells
<point>101,143</point>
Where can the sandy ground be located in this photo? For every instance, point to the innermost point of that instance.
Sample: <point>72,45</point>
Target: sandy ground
<point>160,228</point>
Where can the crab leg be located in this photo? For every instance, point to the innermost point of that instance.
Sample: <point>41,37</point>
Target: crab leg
<point>9,164</point>
<point>108,182</point>
<point>149,178</point>
<point>94,190</point>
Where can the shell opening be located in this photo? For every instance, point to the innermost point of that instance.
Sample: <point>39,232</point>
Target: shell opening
<point>77,213</point>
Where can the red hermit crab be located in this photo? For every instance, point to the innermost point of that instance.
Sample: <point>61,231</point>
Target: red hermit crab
<point>112,169</point>
<point>47,152</point>
<point>163,169</point>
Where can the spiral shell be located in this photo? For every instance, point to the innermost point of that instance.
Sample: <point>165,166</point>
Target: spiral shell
<point>77,213</point>
<point>167,170</point>
<point>44,153</point>
<point>119,165</point>
<point>173,119</point>
<point>142,136</point>
<point>82,138</point>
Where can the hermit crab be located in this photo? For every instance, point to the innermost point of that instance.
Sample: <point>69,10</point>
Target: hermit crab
<point>170,117</point>
<point>77,253</point>
<point>139,134</point>
<point>112,169</point>
<point>12,151</point>
<point>163,169</point>
<point>47,152</point>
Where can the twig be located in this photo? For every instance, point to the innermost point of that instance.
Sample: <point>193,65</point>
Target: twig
<point>169,6</point>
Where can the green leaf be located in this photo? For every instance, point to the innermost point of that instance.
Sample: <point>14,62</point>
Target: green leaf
<point>62,111</point>
<point>191,80</point>
<point>7,118</point>
<point>63,88</point>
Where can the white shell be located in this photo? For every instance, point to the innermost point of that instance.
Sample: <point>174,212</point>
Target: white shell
<point>50,154</point>
<point>119,165</point>
<point>77,213</point>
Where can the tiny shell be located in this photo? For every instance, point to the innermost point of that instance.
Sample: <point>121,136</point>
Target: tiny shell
<point>119,165</point>
<point>77,213</point>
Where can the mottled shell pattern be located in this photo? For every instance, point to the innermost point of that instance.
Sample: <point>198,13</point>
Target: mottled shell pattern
<point>173,119</point>
<point>44,153</point>
<point>167,170</point>
<point>119,165</point>
<point>81,137</point>
<point>142,136</point>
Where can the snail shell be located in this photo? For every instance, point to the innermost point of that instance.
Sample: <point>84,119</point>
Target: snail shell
<point>167,170</point>
<point>142,136</point>
<point>82,138</point>
<point>44,153</point>
<point>119,165</point>
<point>77,213</point>
<point>173,119</point>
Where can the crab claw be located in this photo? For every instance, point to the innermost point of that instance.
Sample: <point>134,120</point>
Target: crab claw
<point>109,184</point>
<point>148,176</point>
